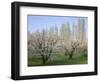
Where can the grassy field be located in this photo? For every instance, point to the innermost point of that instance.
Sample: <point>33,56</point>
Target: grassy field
<point>58,60</point>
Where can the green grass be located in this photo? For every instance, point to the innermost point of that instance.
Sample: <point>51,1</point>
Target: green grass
<point>58,60</point>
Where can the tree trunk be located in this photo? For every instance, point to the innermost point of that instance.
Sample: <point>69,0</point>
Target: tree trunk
<point>71,54</point>
<point>43,59</point>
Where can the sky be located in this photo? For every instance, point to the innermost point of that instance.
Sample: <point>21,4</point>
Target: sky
<point>39,22</point>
